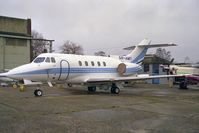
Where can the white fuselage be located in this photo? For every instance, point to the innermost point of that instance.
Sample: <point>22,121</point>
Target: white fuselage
<point>71,68</point>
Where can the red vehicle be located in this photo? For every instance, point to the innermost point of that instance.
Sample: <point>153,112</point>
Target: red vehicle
<point>191,79</point>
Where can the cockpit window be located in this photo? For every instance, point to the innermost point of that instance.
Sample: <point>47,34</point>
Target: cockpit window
<point>39,59</point>
<point>53,60</point>
<point>47,60</point>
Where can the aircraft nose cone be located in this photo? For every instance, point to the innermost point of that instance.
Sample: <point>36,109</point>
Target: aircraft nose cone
<point>3,74</point>
<point>12,75</point>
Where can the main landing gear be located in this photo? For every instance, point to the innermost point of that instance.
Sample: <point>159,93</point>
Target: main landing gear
<point>115,89</point>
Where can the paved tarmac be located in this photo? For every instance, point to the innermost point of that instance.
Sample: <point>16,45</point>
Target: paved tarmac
<point>137,109</point>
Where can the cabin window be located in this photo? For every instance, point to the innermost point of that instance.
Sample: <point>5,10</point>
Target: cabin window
<point>53,60</point>
<point>47,60</point>
<point>86,63</point>
<point>80,63</point>
<point>104,63</point>
<point>92,63</point>
<point>39,59</point>
<point>98,63</point>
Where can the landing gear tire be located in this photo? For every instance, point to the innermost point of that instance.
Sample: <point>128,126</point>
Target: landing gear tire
<point>38,93</point>
<point>115,89</point>
<point>183,85</point>
<point>92,89</point>
<point>70,85</point>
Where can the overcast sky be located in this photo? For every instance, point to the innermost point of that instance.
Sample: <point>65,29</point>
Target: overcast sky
<point>111,25</point>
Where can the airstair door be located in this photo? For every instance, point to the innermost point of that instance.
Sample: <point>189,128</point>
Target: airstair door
<point>64,70</point>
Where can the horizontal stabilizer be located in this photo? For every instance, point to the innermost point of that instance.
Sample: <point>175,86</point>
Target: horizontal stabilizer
<point>151,46</point>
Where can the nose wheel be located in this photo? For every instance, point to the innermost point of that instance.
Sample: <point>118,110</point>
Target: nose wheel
<point>38,93</point>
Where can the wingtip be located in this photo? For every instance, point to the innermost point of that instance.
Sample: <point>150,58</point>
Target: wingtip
<point>173,44</point>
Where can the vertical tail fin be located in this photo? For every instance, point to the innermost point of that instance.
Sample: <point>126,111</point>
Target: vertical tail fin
<point>137,55</point>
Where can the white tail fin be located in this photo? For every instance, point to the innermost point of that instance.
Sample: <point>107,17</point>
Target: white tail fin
<point>137,55</point>
<point>139,51</point>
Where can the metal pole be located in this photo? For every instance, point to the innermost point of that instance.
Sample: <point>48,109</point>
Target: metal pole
<point>50,46</point>
<point>4,42</point>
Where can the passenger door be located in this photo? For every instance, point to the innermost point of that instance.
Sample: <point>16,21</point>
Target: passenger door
<point>64,70</point>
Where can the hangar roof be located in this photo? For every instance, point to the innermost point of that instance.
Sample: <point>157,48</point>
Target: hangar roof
<point>154,59</point>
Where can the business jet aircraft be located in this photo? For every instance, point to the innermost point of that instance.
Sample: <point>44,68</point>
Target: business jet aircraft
<point>105,72</point>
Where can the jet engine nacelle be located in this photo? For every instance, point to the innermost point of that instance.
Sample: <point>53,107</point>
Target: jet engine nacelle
<point>121,69</point>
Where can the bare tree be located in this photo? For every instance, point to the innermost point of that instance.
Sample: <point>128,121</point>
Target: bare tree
<point>37,45</point>
<point>100,53</point>
<point>162,53</point>
<point>159,52</point>
<point>71,48</point>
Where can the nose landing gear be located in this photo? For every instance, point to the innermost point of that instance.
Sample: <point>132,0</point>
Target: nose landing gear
<point>38,93</point>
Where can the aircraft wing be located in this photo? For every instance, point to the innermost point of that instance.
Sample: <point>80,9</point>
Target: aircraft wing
<point>131,78</point>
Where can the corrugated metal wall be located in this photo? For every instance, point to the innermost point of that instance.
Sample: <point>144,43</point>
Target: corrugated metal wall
<point>14,52</point>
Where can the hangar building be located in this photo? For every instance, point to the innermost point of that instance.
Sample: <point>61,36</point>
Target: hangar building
<point>15,42</point>
<point>152,66</point>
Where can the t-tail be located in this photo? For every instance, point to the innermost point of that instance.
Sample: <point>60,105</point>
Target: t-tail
<point>138,52</point>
